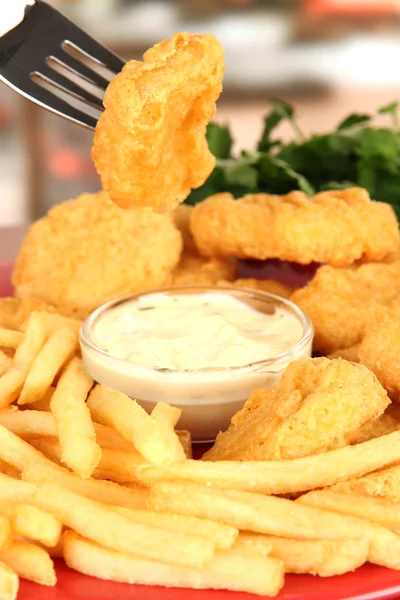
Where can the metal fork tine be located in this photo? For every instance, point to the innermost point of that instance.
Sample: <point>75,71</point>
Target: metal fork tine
<point>41,96</point>
<point>79,69</point>
<point>69,87</point>
<point>96,51</point>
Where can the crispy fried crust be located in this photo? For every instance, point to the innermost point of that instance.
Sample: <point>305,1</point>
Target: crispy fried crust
<point>88,251</point>
<point>334,227</point>
<point>317,405</point>
<point>344,303</point>
<point>266,285</point>
<point>380,352</point>
<point>149,146</point>
<point>197,270</point>
<point>374,428</point>
<point>382,484</point>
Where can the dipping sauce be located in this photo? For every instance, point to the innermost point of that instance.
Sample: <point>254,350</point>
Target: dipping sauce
<point>190,332</point>
<point>200,348</point>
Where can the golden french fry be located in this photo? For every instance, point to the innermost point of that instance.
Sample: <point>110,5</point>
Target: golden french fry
<point>156,442</point>
<point>79,449</point>
<point>166,414</point>
<point>223,536</point>
<point>6,363</point>
<point>284,476</point>
<point>31,522</point>
<point>226,570</point>
<point>185,439</point>
<point>377,510</point>
<point>9,470</point>
<point>10,338</point>
<point>9,583</point>
<point>116,465</point>
<point>253,544</point>
<point>320,557</point>
<point>17,452</point>
<point>97,522</point>
<point>29,562</point>
<point>33,423</point>
<point>269,515</point>
<point>5,532</point>
<point>101,491</point>
<point>34,339</point>
<point>14,490</point>
<point>57,351</point>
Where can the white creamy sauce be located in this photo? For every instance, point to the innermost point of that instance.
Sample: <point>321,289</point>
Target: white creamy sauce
<point>194,331</point>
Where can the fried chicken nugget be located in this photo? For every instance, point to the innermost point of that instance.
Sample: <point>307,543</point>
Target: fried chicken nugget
<point>181,216</point>
<point>380,352</point>
<point>197,270</point>
<point>344,303</point>
<point>314,408</point>
<point>88,251</point>
<point>384,483</point>
<point>374,428</point>
<point>334,227</point>
<point>264,285</point>
<point>150,147</point>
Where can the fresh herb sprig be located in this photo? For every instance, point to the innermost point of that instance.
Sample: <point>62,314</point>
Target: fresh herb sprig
<point>355,153</point>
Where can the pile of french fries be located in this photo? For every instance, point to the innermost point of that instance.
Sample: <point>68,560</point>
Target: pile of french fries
<point>88,476</point>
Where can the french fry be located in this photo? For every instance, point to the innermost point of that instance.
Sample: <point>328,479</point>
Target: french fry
<point>57,351</point>
<point>227,570</point>
<point>275,516</point>
<point>284,476</point>
<point>5,533</point>
<point>185,439</point>
<point>320,557</point>
<point>9,470</point>
<point>97,522</point>
<point>9,583</point>
<point>223,536</point>
<point>377,510</point>
<point>116,465</point>
<point>34,339</point>
<point>6,363</point>
<point>166,414</point>
<point>29,562</point>
<point>10,338</point>
<point>17,452</point>
<point>14,490</point>
<point>44,403</point>
<point>33,423</point>
<point>31,522</point>
<point>155,442</point>
<point>252,544</point>
<point>100,491</point>
<point>79,449</point>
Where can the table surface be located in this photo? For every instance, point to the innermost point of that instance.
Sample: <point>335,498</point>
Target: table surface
<point>10,241</point>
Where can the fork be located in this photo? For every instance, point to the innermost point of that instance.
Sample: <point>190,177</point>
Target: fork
<point>51,61</point>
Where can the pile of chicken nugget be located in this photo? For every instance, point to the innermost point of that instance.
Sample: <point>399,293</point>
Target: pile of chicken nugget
<point>306,479</point>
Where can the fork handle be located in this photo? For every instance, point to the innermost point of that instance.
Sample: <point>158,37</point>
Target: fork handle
<point>12,14</point>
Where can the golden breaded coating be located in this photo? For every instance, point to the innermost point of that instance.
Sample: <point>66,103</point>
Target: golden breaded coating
<point>350,354</point>
<point>181,216</point>
<point>344,303</point>
<point>380,352</point>
<point>384,483</point>
<point>88,251</point>
<point>374,428</point>
<point>314,408</point>
<point>196,270</point>
<point>150,147</point>
<point>334,227</point>
<point>266,285</point>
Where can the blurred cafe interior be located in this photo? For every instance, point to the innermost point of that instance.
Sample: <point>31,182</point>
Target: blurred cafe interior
<point>328,58</point>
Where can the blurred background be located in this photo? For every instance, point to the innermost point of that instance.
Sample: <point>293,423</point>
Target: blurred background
<point>327,57</point>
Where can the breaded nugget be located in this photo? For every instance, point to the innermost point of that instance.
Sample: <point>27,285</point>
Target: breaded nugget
<point>344,303</point>
<point>88,251</point>
<point>350,354</point>
<point>150,145</point>
<point>380,352</point>
<point>181,216</point>
<point>197,270</point>
<point>316,405</point>
<point>374,428</point>
<point>335,227</point>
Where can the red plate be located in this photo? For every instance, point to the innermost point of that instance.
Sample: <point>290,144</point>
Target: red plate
<point>367,583</point>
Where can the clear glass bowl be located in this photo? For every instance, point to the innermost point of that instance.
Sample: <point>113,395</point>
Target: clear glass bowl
<point>208,397</point>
